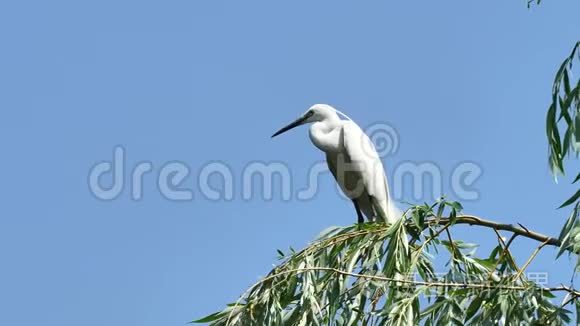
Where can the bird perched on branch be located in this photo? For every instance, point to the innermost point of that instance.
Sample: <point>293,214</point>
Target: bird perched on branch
<point>352,159</point>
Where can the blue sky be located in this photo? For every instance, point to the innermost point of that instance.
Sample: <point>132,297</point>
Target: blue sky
<point>206,81</point>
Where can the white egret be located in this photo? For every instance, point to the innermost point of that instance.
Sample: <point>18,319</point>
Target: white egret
<point>352,159</point>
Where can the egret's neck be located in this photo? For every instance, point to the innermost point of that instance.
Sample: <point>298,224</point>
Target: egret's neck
<point>325,134</point>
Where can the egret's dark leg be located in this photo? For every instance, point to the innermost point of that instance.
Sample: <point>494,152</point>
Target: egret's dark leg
<point>361,219</point>
<point>375,207</point>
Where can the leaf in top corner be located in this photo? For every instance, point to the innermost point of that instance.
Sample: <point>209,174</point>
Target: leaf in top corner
<point>571,200</point>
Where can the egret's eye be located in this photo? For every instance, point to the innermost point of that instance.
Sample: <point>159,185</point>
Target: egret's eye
<point>309,113</point>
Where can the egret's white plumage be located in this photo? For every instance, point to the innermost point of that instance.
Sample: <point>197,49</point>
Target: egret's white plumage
<point>352,159</point>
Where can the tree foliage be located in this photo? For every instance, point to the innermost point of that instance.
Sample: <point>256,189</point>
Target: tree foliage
<point>563,112</point>
<point>378,274</point>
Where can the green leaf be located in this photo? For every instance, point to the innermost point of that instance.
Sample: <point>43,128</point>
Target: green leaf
<point>577,304</point>
<point>567,142</point>
<point>329,232</point>
<point>418,218</point>
<point>566,82</point>
<point>571,200</point>
<point>453,216</point>
<point>564,236</point>
<point>576,179</point>
<point>565,105</point>
<point>487,263</point>
<point>209,318</point>
<point>440,209</point>
<point>456,205</point>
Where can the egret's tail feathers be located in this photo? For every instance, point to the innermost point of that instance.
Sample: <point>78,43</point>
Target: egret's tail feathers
<point>394,213</point>
<point>386,210</point>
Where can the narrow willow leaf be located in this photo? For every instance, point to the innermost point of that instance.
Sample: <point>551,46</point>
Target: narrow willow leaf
<point>440,209</point>
<point>571,200</point>
<point>453,216</point>
<point>577,305</point>
<point>209,318</point>
<point>487,263</point>
<point>566,145</point>
<point>329,232</point>
<point>566,80</point>
<point>457,205</point>
<point>565,107</point>
<point>550,121</point>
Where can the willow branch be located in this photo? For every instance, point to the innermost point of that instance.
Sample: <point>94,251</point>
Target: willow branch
<point>524,232</point>
<point>485,286</point>
<point>462,219</point>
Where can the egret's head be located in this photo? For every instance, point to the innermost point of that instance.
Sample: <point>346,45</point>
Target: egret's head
<point>320,112</point>
<point>316,113</point>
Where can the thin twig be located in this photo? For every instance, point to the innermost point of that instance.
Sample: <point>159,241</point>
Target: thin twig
<point>534,254</point>
<point>451,241</point>
<point>413,282</point>
<point>505,252</point>
<point>565,303</point>
<point>424,244</point>
<point>573,295</point>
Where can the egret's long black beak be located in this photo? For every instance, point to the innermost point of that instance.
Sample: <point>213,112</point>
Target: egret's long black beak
<point>294,124</point>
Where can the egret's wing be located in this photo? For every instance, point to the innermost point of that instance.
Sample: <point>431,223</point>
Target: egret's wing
<point>331,161</point>
<point>364,158</point>
<point>346,179</point>
<point>362,154</point>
